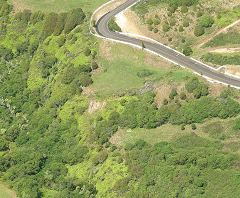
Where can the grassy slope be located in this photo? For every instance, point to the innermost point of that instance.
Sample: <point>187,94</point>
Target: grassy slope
<point>213,129</point>
<point>59,5</point>
<point>120,72</point>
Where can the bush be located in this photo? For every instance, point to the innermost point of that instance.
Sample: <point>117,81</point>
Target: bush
<point>165,27</point>
<point>237,124</point>
<point>172,22</point>
<point>155,30</point>
<point>183,96</point>
<point>156,21</point>
<point>187,51</point>
<point>100,158</point>
<point>87,52</point>
<point>199,31</point>
<point>49,24</point>
<point>173,94</point>
<point>6,53</point>
<point>3,144</point>
<point>74,18</point>
<point>149,21</point>
<point>194,127</point>
<point>199,14</point>
<point>172,8</point>
<point>144,73</point>
<point>94,65</point>
<point>206,21</point>
<point>197,88</point>
<point>181,28</point>
<point>186,23</point>
<point>184,9</point>
<point>85,79</point>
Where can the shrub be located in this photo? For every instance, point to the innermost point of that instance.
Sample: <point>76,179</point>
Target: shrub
<point>172,8</point>
<point>172,22</point>
<point>197,88</point>
<point>85,79</point>
<point>87,52</point>
<point>149,21</point>
<point>94,65</point>
<point>165,27</point>
<point>194,127</point>
<point>156,21</point>
<point>183,96</point>
<point>187,51</point>
<point>3,144</point>
<point>144,73</point>
<point>186,23</point>
<point>184,9</point>
<point>199,31</point>
<point>155,30</point>
<point>181,28</point>
<point>6,53</point>
<point>199,14</point>
<point>74,18</point>
<point>206,21</point>
<point>237,124</point>
<point>49,24</point>
<point>173,94</point>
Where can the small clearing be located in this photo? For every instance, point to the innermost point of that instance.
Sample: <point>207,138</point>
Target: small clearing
<point>95,106</point>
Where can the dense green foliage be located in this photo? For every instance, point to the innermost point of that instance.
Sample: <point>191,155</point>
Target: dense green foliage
<point>52,146</point>
<point>29,111</point>
<point>184,168</point>
<point>143,112</point>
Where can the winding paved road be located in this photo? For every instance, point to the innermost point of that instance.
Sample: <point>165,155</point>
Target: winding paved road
<point>166,52</point>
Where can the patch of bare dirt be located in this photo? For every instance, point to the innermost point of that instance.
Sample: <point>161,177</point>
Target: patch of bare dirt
<point>225,50</point>
<point>163,91</point>
<point>216,89</point>
<point>129,22</point>
<point>117,137</point>
<point>95,106</point>
<point>105,49</point>
<point>233,70</point>
<point>88,91</point>
<point>129,26</point>
<point>19,6</point>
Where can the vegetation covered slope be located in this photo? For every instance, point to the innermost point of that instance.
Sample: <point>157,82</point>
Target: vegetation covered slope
<point>188,24</point>
<point>52,145</point>
<point>57,5</point>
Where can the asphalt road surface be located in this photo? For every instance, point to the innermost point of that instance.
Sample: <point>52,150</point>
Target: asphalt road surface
<point>178,58</point>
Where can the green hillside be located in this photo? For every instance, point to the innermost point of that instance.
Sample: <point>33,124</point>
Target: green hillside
<point>80,117</point>
<point>57,5</point>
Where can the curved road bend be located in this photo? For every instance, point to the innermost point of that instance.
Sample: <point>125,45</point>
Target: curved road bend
<point>200,68</point>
